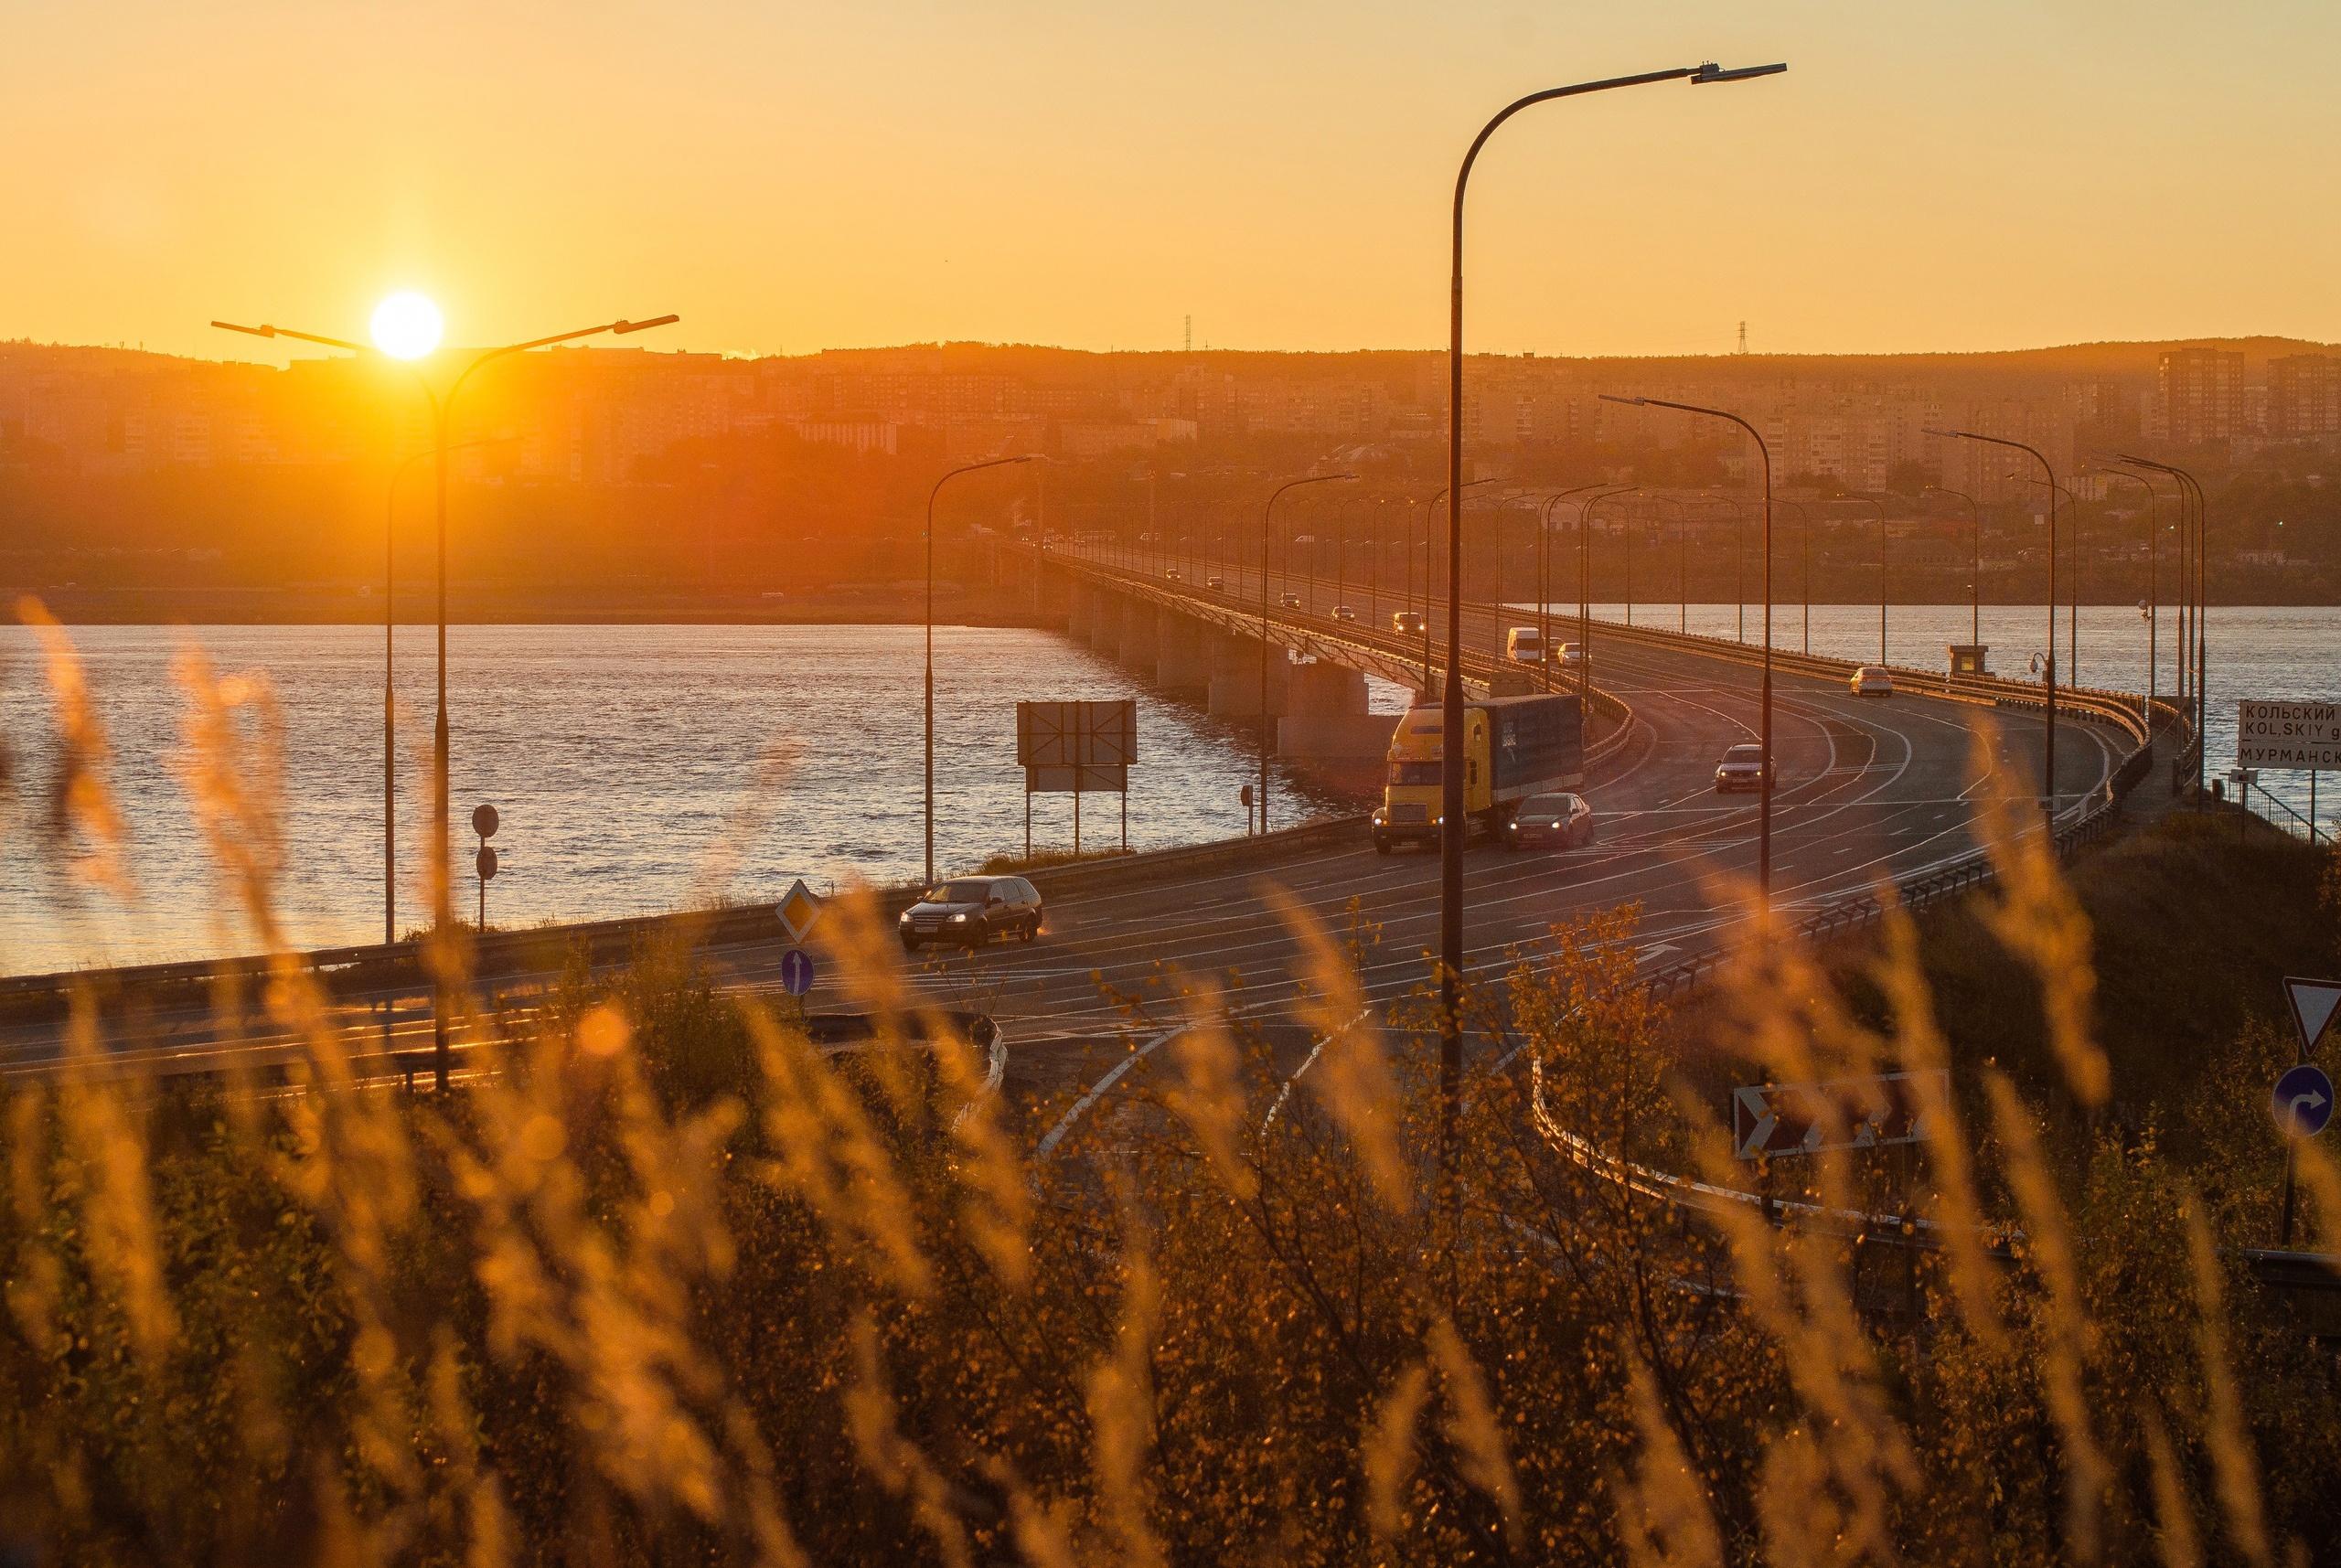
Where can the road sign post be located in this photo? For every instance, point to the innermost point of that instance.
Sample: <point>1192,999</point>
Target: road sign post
<point>484,822</point>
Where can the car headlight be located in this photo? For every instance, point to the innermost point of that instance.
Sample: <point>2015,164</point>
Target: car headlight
<point>958,920</point>
<point>906,918</point>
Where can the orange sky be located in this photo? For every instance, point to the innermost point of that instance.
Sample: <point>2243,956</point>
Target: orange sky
<point>790,176</point>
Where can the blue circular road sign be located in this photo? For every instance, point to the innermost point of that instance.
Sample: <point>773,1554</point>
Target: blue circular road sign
<point>2303,1101</point>
<point>797,973</point>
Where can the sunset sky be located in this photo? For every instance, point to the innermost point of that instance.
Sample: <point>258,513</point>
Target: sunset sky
<point>791,177</point>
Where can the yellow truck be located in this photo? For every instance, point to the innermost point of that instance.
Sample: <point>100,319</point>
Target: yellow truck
<point>1514,747</point>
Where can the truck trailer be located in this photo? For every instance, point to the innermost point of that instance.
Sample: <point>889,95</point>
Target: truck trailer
<point>1514,747</point>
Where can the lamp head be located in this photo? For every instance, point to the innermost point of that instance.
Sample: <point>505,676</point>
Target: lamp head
<point>1710,72</point>
<point>406,326</point>
<point>1634,402</point>
<point>621,328</point>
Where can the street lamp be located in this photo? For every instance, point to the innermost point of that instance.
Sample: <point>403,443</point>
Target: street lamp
<point>2048,669</point>
<point>935,490</point>
<point>1585,588</point>
<point>389,673</point>
<point>1266,512</point>
<point>1764,726</point>
<point>406,327</point>
<point>1975,560</point>
<point>1804,550</point>
<point>1880,507</point>
<point>2153,581</point>
<point>2201,595</point>
<point>1430,509</point>
<point>1545,570</point>
<point>1453,826</point>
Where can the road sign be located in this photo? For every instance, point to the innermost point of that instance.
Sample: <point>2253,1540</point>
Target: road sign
<point>796,971</point>
<point>2302,1102</point>
<point>1771,1120</point>
<point>2314,1003</point>
<point>2288,735</point>
<point>797,911</point>
<point>485,862</point>
<point>485,821</point>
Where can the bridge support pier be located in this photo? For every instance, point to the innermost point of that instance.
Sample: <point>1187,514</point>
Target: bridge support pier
<point>1327,733</point>
<point>1236,677</point>
<point>1181,656</point>
<point>1141,640</point>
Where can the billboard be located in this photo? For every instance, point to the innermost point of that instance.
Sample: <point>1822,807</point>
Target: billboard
<point>2288,735</point>
<point>1076,747</point>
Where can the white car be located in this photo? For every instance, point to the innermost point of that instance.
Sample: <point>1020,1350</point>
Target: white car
<point>1572,655</point>
<point>1344,613</point>
<point>1291,600</point>
<point>1871,681</point>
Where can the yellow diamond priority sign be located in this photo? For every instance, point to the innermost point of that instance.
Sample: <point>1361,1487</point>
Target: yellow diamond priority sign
<point>798,910</point>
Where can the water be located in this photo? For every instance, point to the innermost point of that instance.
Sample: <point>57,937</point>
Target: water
<point>2283,652</point>
<point>624,761</point>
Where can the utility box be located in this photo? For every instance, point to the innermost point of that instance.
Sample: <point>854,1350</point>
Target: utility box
<point>1970,658</point>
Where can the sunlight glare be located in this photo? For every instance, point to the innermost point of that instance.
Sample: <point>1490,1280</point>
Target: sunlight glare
<point>406,326</point>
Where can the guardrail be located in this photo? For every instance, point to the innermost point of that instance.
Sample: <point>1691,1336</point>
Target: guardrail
<point>1315,631</point>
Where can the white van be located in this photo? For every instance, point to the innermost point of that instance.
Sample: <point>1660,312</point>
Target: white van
<point>1525,645</point>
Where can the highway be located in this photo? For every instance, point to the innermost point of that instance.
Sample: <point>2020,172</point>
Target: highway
<point>1868,788</point>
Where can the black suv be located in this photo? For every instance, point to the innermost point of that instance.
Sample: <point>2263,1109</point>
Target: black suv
<point>971,910</point>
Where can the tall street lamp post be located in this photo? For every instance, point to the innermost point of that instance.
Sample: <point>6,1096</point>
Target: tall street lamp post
<point>1682,576</point>
<point>1267,724</point>
<point>1430,511</point>
<point>2048,665</point>
<point>1544,569</point>
<point>412,333</point>
<point>2191,486</point>
<point>1764,726</point>
<point>2153,581</point>
<point>932,492</point>
<point>1974,561</point>
<point>1880,507</point>
<point>1804,550</point>
<point>390,674</point>
<point>1585,588</point>
<point>1454,826</point>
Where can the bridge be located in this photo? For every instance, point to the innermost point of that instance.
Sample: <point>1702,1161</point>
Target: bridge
<point>1867,789</point>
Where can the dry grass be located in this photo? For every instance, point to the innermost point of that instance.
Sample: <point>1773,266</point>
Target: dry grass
<point>662,1284</point>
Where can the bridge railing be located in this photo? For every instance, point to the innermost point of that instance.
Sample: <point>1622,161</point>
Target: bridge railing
<point>1307,631</point>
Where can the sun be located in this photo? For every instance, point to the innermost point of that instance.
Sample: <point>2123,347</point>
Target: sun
<point>406,326</point>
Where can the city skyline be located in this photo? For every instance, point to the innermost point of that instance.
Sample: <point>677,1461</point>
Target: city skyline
<point>1095,181</point>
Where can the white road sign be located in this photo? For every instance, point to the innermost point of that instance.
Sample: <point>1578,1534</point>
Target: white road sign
<point>2314,1003</point>
<point>2288,735</point>
<point>797,910</point>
